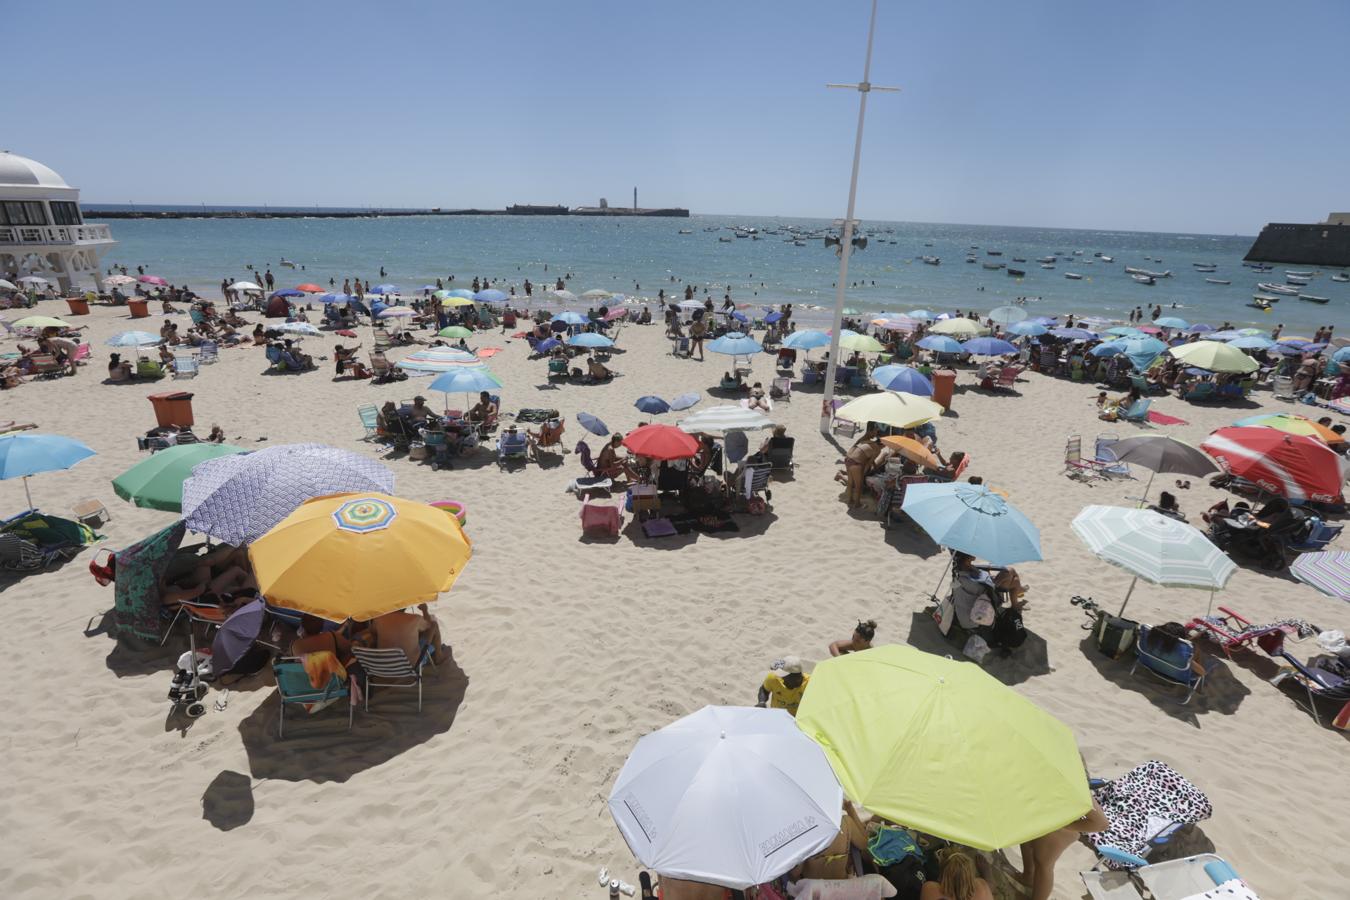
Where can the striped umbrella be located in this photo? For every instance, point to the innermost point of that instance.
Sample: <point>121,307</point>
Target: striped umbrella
<point>1153,547</point>
<point>1328,571</point>
<point>439,359</point>
<point>726,418</point>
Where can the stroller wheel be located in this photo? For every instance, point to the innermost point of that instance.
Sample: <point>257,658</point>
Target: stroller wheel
<point>196,710</point>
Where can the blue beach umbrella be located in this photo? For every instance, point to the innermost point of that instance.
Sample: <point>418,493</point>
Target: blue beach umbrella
<point>460,292</point>
<point>1047,321</point>
<point>288,292</point>
<point>806,340</point>
<point>924,314</point>
<point>384,289</point>
<point>23,455</point>
<point>1142,350</point>
<point>987,346</point>
<point>1200,328</point>
<point>570,318</point>
<point>589,339</point>
<point>335,298</point>
<point>1287,350</point>
<point>1108,348</point>
<point>684,401</point>
<point>491,295</point>
<point>133,339</point>
<point>1123,331</point>
<point>1028,329</point>
<point>652,406</point>
<point>1171,322</point>
<point>1252,342</point>
<point>547,345</point>
<point>772,317</point>
<point>902,378</point>
<point>1073,334</point>
<point>733,343</point>
<point>940,343</point>
<point>1341,355</point>
<point>972,519</point>
<point>465,381</point>
<point>592,424</point>
<point>1226,335</point>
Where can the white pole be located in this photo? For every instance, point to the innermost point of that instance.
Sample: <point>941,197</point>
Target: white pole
<point>846,238</point>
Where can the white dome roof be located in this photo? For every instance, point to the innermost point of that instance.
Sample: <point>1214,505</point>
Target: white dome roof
<point>20,170</point>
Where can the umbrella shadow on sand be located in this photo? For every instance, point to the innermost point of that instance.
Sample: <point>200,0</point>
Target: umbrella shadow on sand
<point>132,657</point>
<point>228,801</point>
<point>1222,692</point>
<point>319,748</point>
<point>1026,662</point>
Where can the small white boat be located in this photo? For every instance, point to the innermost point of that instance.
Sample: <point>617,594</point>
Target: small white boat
<point>1271,288</point>
<point>931,261</point>
<point>1047,265</point>
<point>1046,259</point>
<point>1302,273</point>
<point>994,266</point>
<point>1314,299</point>
<point>1073,276</point>
<point>1342,278</point>
<point>1297,279</point>
<point>1108,259</point>
<point>288,263</point>
<point>1144,279</point>
<point>1267,298</point>
<point>1217,281</point>
<point>971,259</point>
<point>686,231</point>
<point>1258,303</point>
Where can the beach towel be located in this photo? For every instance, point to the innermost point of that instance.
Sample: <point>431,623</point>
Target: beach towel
<point>1142,802</point>
<point>1158,418</point>
<point>868,887</point>
<point>322,665</point>
<point>489,352</point>
<point>657,528</point>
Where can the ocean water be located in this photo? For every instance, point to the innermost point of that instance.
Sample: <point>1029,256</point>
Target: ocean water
<point>642,256</point>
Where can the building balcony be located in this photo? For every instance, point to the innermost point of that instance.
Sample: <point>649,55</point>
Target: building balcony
<point>54,234</point>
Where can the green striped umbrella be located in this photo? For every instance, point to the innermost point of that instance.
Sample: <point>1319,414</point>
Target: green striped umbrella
<point>1328,571</point>
<point>157,483</point>
<point>1153,547</point>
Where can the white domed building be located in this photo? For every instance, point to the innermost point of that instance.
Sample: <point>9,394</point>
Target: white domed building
<point>42,230</point>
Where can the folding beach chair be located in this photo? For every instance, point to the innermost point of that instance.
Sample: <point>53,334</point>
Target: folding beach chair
<point>1075,466</point>
<point>600,518</point>
<point>781,389</point>
<point>1231,632</point>
<point>846,427</point>
<point>1138,411</point>
<point>891,509</point>
<point>389,667</point>
<point>755,482</point>
<point>370,421</point>
<point>1319,536</point>
<point>1105,457</point>
<point>1007,378</point>
<point>779,453</point>
<point>91,512</point>
<point>1204,875</point>
<point>680,347</point>
<point>1145,808</point>
<point>1172,665</point>
<point>1320,684</point>
<point>184,365</point>
<point>208,353</point>
<point>512,444</point>
<point>294,687</point>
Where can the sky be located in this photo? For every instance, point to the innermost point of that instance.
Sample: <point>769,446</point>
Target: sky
<point>1211,116</point>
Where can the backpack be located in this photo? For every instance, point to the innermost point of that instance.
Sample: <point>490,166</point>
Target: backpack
<point>1114,636</point>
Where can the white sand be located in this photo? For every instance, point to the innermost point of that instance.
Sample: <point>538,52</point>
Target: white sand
<point>567,651</point>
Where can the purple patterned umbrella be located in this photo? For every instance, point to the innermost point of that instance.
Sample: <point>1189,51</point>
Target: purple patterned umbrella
<point>237,499</point>
<point>236,636</point>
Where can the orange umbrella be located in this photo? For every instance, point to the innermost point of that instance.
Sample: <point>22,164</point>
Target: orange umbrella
<point>661,442</point>
<point>310,288</point>
<point>912,449</point>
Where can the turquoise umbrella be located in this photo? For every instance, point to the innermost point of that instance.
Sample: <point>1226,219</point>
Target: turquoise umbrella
<point>734,343</point>
<point>24,455</point>
<point>806,340</point>
<point>972,519</point>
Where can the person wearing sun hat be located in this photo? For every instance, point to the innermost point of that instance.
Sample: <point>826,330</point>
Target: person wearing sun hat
<point>784,685</point>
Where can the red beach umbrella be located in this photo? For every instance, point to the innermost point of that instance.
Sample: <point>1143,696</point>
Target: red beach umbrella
<point>661,442</point>
<point>310,288</point>
<point>1290,465</point>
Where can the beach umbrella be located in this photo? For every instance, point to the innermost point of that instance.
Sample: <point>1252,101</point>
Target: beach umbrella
<point>664,442</point>
<point>729,795</point>
<point>569,317</point>
<point>772,317</point>
<point>1199,328</point>
<point>920,314</point>
<point>439,359</point>
<point>563,296</point>
<point>593,424</point>
<point>157,482</point>
<point>1171,322</point>
<point>335,298</point>
<point>359,555</point>
<point>7,286</point>
<point>468,380</point>
<point>1123,331</point>
<point>491,295</point>
<point>1074,334</point>
<point>236,635</point>
<point>148,279</point>
<point>245,287</point>
<point>35,280</point>
<point>384,289</point>
<point>287,292</point>
<point>902,378</point>
<point>596,294</point>
<point>1142,350</point>
<point>237,498</point>
<point>1286,350</point>
<point>733,343</point>
<point>310,288</point>
<point>1215,356</point>
<point>987,346</point>
<point>1150,329</point>
<point>684,401</point>
<point>1341,355</point>
<point>615,314</point>
<point>943,747</point>
<point>547,345</point>
<point>1160,453</point>
<point>456,301</point>
<point>739,316</point>
<point>1290,465</point>
<point>133,339</point>
<point>396,312</point>
<point>890,408</point>
<point>1108,348</point>
<point>40,322</point>
<point>302,328</point>
<point>939,343</point>
<point>1252,342</point>
<point>726,417</point>
<point>589,339</point>
<point>959,326</point>
<point>118,280</point>
<point>455,331</point>
<point>1229,334</point>
<point>912,450</point>
<point>1154,547</point>
<point>1328,571</point>
<point>806,340</point>
<point>1293,424</point>
<point>1027,329</point>
<point>1007,315</point>
<point>24,455</point>
<point>850,311</point>
<point>859,343</point>
<point>972,519</point>
<point>651,405</point>
<point>461,293</point>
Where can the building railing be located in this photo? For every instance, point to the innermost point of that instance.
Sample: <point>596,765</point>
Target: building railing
<point>53,234</point>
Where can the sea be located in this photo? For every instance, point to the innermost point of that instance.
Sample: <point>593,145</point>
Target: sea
<point>639,257</point>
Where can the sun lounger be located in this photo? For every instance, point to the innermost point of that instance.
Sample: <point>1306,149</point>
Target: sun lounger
<point>293,686</point>
<point>1171,665</point>
<point>1320,684</point>
<point>91,512</point>
<point>1191,878</point>
<point>1144,808</point>
<point>1231,631</point>
<point>389,667</point>
<point>208,353</point>
<point>512,445</point>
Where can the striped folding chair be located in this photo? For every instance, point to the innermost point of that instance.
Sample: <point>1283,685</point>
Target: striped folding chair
<point>389,667</point>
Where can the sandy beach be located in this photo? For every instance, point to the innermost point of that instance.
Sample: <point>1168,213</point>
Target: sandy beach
<point>566,651</point>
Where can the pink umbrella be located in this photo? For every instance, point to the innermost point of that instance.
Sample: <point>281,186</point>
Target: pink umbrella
<point>615,314</point>
<point>151,279</point>
<point>1150,329</point>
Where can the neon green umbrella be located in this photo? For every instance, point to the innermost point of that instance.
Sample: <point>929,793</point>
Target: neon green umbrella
<point>961,327</point>
<point>455,331</point>
<point>1215,356</point>
<point>944,747</point>
<point>157,483</point>
<point>861,343</point>
<point>40,322</point>
<point>890,408</point>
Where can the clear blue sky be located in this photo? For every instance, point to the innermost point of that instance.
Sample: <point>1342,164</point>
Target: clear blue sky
<point>1210,116</point>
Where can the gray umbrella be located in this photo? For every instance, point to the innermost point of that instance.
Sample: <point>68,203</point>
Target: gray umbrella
<point>1160,453</point>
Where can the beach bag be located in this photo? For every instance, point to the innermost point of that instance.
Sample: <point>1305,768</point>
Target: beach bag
<point>105,573</point>
<point>1008,630</point>
<point>944,614</point>
<point>1114,636</point>
<point>982,612</point>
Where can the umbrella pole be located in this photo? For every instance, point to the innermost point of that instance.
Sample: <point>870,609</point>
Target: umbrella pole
<point>26,492</point>
<point>1210,607</point>
<point>1144,499</point>
<point>1133,582</point>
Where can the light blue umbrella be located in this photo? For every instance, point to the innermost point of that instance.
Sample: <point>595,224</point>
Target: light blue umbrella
<point>806,340</point>
<point>902,378</point>
<point>1199,328</point>
<point>1171,322</point>
<point>465,381</point>
<point>288,292</point>
<point>593,424</point>
<point>920,314</point>
<point>987,346</point>
<point>1142,350</point>
<point>652,406</point>
<point>940,343</point>
<point>684,401</point>
<point>1027,329</point>
<point>22,455</point>
<point>1226,335</point>
<point>491,295</point>
<point>972,519</point>
<point>1108,348</point>
<point>571,318</point>
<point>1124,331</point>
<point>335,298</point>
<point>772,317</point>
<point>133,339</point>
<point>384,289</point>
<point>1073,334</point>
<point>547,345</point>
<point>304,328</point>
<point>1341,355</point>
<point>733,343</point>
<point>1252,342</point>
<point>460,292</point>
<point>589,339</point>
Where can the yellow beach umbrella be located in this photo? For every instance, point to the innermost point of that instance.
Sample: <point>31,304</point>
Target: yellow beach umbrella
<point>958,327</point>
<point>890,408</point>
<point>1216,356</point>
<point>40,322</point>
<point>944,747</point>
<point>358,556</point>
<point>860,343</point>
<point>912,450</point>
<point>456,301</point>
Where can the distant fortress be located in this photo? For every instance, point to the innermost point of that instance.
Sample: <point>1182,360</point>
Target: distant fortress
<point>1322,244</point>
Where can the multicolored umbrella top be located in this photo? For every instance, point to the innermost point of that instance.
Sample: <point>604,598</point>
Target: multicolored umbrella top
<point>1328,571</point>
<point>1290,465</point>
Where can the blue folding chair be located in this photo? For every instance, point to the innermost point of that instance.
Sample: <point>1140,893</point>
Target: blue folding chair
<point>293,687</point>
<point>1171,663</point>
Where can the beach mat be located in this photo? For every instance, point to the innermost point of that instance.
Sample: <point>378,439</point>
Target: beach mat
<point>1158,418</point>
<point>708,524</point>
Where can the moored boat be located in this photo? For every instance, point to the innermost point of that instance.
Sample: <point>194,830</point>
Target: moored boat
<point>1217,281</point>
<point>1073,276</point>
<point>1144,279</point>
<point>1271,288</point>
<point>1312,299</point>
<point>1017,273</point>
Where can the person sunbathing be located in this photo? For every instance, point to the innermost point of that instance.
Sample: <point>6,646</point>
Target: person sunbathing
<point>548,435</point>
<point>484,409</point>
<point>859,462</point>
<point>757,398</point>
<point>860,640</point>
<point>597,371</point>
<point>608,463</point>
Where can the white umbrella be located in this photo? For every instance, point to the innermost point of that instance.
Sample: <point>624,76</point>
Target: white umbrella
<point>563,296</point>
<point>6,286</point>
<point>439,359</point>
<point>732,796</point>
<point>119,280</point>
<point>397,312</point>
<point>33,280</point>
<point>243,286</point>
<point>596,294</point>
<point>726,418</point>
<point>1153,547</point>
<point>304,328</point>
<point>1007,315</point>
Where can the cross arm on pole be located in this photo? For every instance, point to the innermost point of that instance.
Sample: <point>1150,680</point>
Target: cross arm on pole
<point>864,87</point>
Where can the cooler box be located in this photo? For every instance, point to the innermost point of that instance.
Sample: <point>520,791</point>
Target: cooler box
<point>944,381</point>
<point>140,309</point>
<point>172,408</point>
